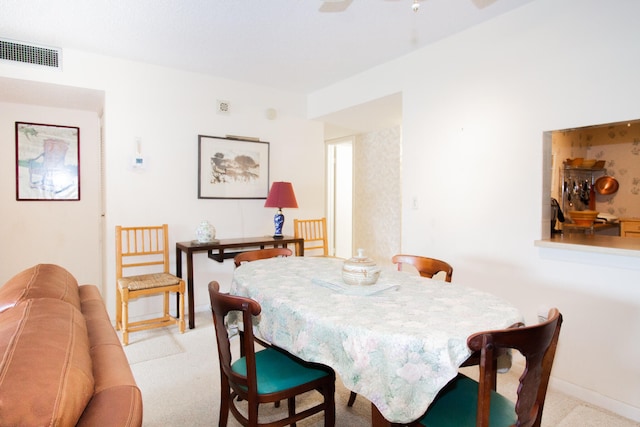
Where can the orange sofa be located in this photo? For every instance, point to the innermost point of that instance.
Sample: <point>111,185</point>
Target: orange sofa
<point>61,363</point>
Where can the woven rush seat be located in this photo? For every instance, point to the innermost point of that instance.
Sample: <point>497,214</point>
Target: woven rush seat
<point>148,281</point>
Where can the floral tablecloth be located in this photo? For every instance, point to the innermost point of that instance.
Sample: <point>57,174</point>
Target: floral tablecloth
<point>397,346</point>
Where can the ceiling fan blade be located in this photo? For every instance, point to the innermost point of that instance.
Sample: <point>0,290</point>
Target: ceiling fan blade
<point>335,5</point>
<point>481,4</point>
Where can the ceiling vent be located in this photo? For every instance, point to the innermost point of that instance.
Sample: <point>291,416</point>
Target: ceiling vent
<point>29,54</point>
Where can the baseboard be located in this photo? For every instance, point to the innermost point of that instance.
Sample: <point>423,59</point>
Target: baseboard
<point>596,399</point>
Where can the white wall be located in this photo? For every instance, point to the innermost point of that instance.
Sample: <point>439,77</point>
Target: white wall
<point>66,233</point>
<point>475,107</point>
<point>167,110</point>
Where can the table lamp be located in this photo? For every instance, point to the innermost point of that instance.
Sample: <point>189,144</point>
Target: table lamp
<point>280,196</point>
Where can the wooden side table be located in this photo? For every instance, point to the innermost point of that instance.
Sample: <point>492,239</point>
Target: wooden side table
<point>218,250</point>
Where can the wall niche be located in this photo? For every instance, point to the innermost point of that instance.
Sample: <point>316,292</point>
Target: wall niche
<point>618,145</point>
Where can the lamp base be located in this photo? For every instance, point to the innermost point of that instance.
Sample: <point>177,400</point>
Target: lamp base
<point>278,221</point>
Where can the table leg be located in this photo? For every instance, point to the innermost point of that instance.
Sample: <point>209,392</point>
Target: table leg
<point>179,274</point>
<point>377,420</point>
<point>192,317</point>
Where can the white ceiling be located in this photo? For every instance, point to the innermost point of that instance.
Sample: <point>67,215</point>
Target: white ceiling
<point>286,44</point>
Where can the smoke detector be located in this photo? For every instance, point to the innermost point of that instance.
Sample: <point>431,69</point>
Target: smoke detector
<point>223,107</point>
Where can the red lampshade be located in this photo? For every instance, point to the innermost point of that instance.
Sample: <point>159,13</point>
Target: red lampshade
<point>281,196</point>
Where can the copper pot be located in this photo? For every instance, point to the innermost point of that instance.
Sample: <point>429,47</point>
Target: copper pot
<point>606,185</point>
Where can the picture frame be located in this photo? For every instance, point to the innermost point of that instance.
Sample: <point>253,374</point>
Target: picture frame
<point>232,168</point>
<point>47,162</point>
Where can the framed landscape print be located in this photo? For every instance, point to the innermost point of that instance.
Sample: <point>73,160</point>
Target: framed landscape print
<point>47,162</point>
<point>232,168</point>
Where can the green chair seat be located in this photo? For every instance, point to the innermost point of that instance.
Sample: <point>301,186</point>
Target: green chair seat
<point>276,371</point>
<point>457,405</point>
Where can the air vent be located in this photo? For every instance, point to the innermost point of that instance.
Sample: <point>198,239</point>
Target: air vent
<point>29,54</point>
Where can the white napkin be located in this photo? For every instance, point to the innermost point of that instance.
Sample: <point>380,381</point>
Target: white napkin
<point>361,290</point>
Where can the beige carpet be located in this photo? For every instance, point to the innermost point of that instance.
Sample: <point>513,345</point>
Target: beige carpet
<point>587,416</point>
<point>178,376</point>
<point>150,345</point>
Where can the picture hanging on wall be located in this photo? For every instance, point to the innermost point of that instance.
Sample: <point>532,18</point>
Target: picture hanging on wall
<point>232,168</point>
<point>47,162</point>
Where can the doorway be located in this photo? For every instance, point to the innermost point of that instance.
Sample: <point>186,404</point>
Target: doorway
<point>340,197</point>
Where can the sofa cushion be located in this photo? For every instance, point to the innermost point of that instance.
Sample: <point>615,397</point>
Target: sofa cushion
<point>117,401</point>
<point>45,364</point>
<point>40,281</point>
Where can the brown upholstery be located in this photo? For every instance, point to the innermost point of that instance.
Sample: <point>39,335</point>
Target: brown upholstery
<point>48,341</point>
<point>40,281</point>
<point>142,269</point>
<point>61,363</point>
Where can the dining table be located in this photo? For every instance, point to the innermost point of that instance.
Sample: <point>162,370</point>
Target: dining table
<point>397,342</point>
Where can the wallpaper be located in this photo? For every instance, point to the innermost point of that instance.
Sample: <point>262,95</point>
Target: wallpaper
<point>377,200</point>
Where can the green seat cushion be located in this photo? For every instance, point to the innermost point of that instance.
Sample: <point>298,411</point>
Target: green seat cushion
<point>457,405</point>
<point>276,371</point>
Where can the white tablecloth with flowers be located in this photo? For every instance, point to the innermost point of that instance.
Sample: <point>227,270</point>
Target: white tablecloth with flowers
<point>397,343</point>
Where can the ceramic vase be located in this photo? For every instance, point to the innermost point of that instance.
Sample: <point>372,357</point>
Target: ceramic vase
<point>205,232</point>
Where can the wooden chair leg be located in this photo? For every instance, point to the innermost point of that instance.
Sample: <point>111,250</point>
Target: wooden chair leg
<point>291,403</point>
<point>125,319</point>
<point>165,313</point>
<point>224,403</point>
<point>352,398</point>
<point>181,312</point>
<point>118,309</point>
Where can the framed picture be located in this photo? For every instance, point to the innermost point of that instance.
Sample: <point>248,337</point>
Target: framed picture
<point>47,162</point>
<point>232,168</point>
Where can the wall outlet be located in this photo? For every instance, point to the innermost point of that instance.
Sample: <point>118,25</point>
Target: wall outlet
<point>414,203</point>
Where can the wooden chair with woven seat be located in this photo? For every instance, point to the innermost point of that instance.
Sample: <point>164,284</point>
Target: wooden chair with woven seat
<point>144,251</point>
<point>427,267</point>
<point>249,256</point>
<point>264,376</point>
<point>465,402</point>
<point>314,233</point>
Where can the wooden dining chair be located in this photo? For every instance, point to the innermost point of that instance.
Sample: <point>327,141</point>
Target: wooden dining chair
<point>314,233</point>
<point>143,253</point>
<point>465,402</point>
<point>249,256</point>
<point>258,254</point>
<point>427,267</point>
<point>264,376</point>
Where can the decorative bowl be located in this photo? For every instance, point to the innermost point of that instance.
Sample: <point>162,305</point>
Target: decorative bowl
<point>588,163</point>
<point>360,270</point>
<point>577,162</point>
<point>583,218</point>
<point>599,164</point>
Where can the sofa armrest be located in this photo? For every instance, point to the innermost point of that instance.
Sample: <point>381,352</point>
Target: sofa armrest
<point>117,400</point>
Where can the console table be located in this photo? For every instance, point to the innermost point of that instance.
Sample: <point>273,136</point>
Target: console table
<point>218,251</point>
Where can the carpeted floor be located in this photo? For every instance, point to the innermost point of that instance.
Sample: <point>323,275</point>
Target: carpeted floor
<point>178,376</point>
